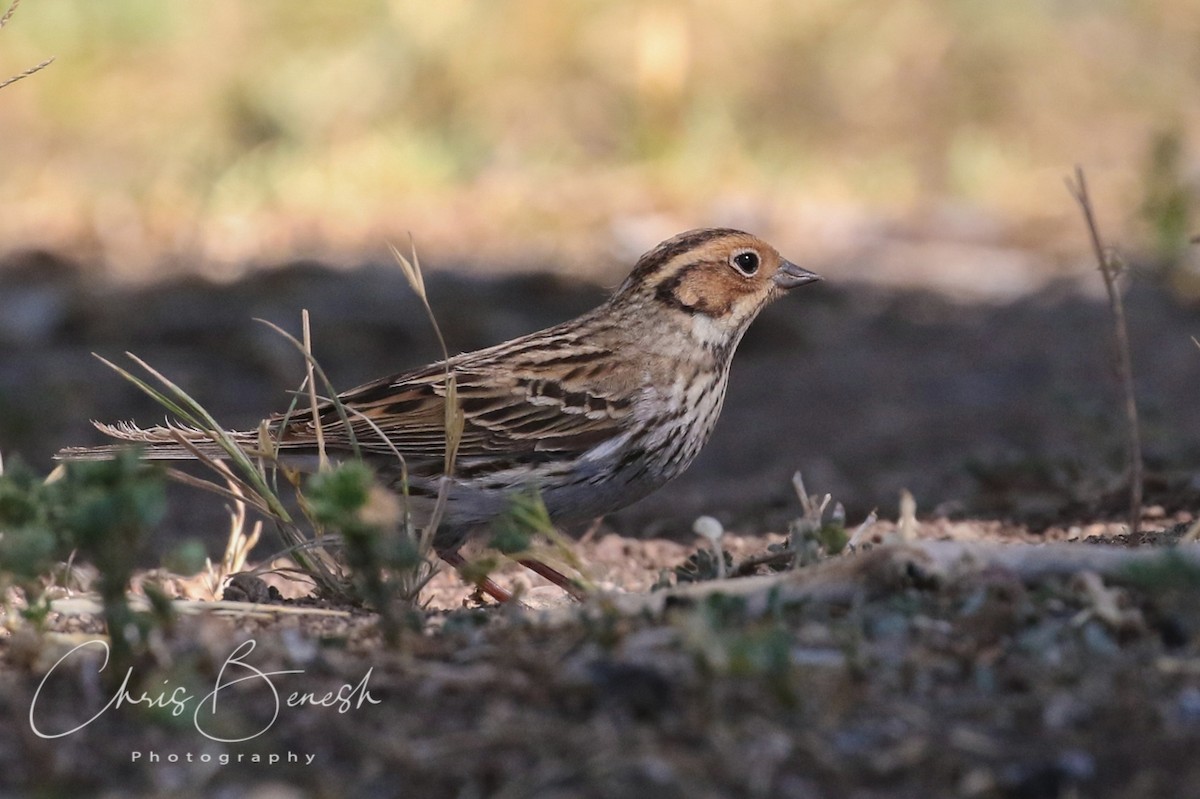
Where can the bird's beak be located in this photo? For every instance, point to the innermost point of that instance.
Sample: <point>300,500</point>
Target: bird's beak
<point>788,276</point>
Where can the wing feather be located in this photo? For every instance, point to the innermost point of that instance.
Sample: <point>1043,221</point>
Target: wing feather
<point>509,412</point>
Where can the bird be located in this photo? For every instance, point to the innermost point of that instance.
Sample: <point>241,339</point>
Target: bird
<point>593,413</point>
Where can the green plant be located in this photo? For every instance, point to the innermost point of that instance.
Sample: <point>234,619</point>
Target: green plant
<point>516,533</point>
<point>346,499</point>
<point>812,536</point>
<point>30,540</point>
<point>99,511</point>
<point>106,508</point>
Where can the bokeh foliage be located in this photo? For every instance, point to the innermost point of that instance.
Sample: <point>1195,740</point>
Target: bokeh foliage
<point>228,129</point>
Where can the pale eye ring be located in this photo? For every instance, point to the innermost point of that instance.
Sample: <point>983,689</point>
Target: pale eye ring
<point>746,262</point>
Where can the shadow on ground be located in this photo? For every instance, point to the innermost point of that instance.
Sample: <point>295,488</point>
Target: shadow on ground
<point>1001,409</point>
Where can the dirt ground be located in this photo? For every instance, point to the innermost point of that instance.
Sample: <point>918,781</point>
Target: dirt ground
<point>890,672</point>
<point>894,671</point>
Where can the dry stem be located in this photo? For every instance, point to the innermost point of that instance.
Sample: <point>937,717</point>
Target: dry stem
<point>12,8</point>
<point>1110,268</point>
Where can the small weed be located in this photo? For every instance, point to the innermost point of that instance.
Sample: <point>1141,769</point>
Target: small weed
<point>812,536</point>
<point>513,530</point>
<point>106,508</point>
<point>517,534</point>
<point>346,500</point>
<point>701,566</point>
<point>101,511</point>
<point>31,542</point>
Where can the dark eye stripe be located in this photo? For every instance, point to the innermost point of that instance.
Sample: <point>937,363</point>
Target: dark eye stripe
<point>667,291</point>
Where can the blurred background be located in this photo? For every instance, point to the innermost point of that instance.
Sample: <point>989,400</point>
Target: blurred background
<point>214,136</point>
<point>182,167</point>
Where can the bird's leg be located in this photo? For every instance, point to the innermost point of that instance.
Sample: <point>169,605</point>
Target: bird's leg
<point>487,585</point>
<point>555,576</point>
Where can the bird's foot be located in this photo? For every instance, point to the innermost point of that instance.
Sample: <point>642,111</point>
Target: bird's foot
<point>504,596</point>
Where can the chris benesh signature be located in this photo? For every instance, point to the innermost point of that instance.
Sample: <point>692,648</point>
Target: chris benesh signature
<point>235,670</point>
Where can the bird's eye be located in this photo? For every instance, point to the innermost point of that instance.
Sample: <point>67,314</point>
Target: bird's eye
<point>746,262</point>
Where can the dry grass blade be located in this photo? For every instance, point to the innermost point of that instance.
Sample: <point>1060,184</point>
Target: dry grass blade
<point>454,427</point>
<point>240,543</point>
<point>454,420</point>
<point>22,75</point>
<point>1110,269</point>
<point>813,511</point>
<point>860,532</point>
<point>212,463</point>
<point>237,546</point>
<point>148,389</point>
<point>183,478</point>
<point>197,415</point>
<point>315,367</point>
<point>12,9</point>
<point>318,428</point>
<point>412,273</point>
<point>1192,534</point>
<point>804,534</point>
<point>254,481</point>
<point>411,270</point>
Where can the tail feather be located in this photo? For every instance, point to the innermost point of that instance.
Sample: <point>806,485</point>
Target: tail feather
<point>158,443</point>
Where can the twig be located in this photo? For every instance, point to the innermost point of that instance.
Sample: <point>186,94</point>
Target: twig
<point>1110,268</point>
<point>12,9</point>
<point>26,73</point>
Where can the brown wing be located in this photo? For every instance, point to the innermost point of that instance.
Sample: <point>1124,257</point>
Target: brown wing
<point>507,413</point>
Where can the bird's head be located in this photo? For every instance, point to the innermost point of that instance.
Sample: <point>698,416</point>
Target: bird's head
<point>714,280</point>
